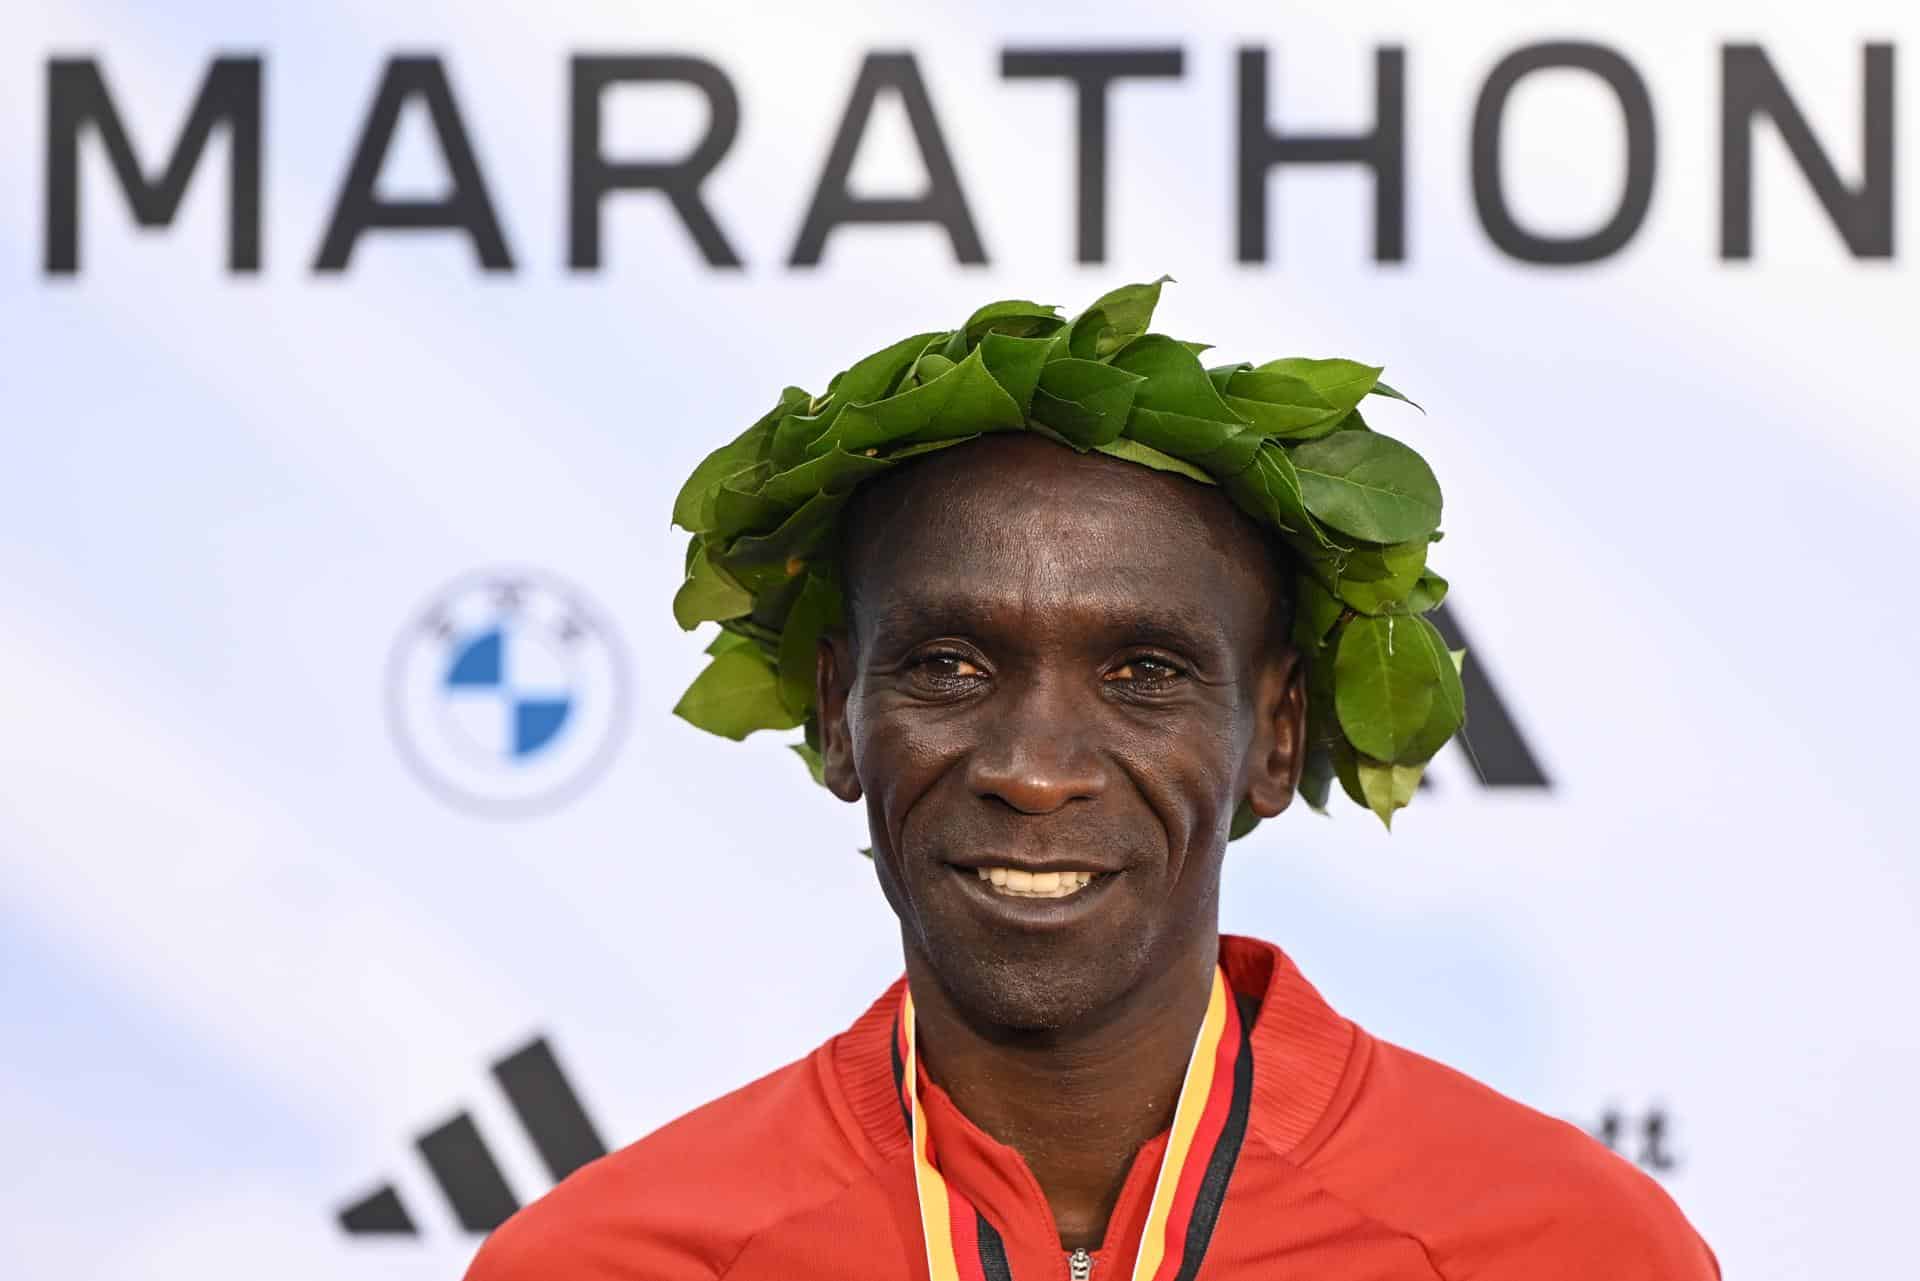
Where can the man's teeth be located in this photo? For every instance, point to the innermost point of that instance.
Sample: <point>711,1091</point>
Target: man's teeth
<point>1024,884</point>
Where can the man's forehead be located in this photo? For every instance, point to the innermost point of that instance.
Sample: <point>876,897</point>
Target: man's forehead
<point>1009,527</point>
<point>956,602</point>
<point>1016,487</point>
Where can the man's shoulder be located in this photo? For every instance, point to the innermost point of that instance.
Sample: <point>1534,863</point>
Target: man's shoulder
<point>1494,1189</point>
<point>683,1202</point>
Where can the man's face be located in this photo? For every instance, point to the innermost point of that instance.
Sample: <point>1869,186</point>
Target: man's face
<point>1060,668</point>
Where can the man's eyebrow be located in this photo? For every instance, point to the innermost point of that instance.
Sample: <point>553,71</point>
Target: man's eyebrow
<point>1174,628</point>
<point>914,616</point>
<point>1154,624</point>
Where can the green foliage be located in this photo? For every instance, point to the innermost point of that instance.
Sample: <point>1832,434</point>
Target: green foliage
<point>1285,440</point>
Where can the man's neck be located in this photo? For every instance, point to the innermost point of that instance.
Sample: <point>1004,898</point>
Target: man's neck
<point>1077,1105</point>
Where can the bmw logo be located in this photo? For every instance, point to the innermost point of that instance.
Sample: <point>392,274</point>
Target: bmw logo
<point>507,694</point>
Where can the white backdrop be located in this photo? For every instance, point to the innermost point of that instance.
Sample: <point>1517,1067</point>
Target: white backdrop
<point>247,957</point>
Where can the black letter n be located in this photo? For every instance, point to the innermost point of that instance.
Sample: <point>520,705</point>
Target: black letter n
<point>1751,87</point>
<point>77,97</point>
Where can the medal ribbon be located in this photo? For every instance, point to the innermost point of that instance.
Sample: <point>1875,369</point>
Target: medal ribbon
<point>1209,1121</point>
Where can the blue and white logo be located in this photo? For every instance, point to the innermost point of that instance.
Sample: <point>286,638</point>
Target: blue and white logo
<point>507,693</point>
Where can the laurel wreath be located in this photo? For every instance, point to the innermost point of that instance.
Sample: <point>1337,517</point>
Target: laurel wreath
<point>1356,509</point>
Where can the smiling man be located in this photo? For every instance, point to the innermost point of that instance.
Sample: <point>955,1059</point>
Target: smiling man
<point>1068,611</point>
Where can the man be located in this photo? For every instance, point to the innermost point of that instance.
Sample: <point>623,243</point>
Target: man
<point>1061,680</point>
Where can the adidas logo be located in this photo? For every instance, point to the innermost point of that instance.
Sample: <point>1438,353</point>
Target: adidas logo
<point>463,1167</point>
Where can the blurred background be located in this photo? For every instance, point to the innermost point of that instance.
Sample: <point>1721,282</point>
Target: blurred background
<point>355,881</point>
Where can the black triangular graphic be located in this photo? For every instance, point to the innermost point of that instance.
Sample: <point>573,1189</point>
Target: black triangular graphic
<point>548,1108</point>
<point>466,1172</point>
<point>1491,740</point>
<point>379,1213</point>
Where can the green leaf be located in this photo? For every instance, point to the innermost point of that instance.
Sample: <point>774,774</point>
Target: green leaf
<point>1381,389</point>
<point>1281,405</point>
<point>815,764</point>
<point>1369,486</point>
<point>1449,711</point>
<point>1378,580</point>
<point>1015,364</point>
<point>1085,401</point>
<point>1114,320</point>
<point>799,429</point>
<point>867,379</point>
<point>1244,821</point>
<point>1147,456</point>
<point>1315,613</point>
<point>764,561</point>
<point>963,401</point>
<point>1220,449</point>
<point>1269,491</point>
<point>737,694</point>
<point>1016,317</point>
<point>1383,685</point>
<point>1176,383</point>
<point>1221,375</point>
<point>708,595</point>
<point>817,609</point>
<point>833,472</point>
<point>1427,593</point>
<point>1316,779</point>
<point>1341,383</point>
<point>929,367</point>
<point>1387,787</point>
<point>727,640</point>
<point>874,376</point>
<point>740,508</point>
<point>692,508</point>
<point>1178,411</point>
<point>1346,768</point>
<point>1396,693</point>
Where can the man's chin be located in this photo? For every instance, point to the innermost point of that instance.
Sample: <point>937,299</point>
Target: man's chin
<point>1028,985</point>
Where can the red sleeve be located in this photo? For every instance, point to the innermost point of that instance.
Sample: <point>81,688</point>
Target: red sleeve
<point>600,1225</point>
<point>1493,1190</point>
<point>682,1203</point>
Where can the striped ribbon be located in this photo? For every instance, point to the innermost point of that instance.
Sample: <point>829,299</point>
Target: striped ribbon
<point>1209,1122</point>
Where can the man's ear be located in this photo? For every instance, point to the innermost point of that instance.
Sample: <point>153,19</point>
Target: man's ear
<point>1278,752</point>
<point>832,679</point>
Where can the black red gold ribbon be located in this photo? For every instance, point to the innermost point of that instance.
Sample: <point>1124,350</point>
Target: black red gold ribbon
<point>1209,1122</point>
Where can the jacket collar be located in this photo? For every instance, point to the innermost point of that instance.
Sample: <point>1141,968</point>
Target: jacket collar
<point>1301,1049</point>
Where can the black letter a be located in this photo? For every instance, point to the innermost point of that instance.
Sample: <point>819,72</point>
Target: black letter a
<point>466,207</point>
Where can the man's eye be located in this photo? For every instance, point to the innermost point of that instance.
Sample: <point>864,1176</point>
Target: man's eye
<point>946,667</point>
<point>1146,670</point>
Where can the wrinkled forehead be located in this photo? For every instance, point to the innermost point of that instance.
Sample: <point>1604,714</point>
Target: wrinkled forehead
<point>1021,527</point>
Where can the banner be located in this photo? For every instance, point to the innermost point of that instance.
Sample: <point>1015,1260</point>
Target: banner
<point>355,881</point>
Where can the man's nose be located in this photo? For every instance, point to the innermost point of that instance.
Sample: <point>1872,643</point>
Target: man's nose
<point>1037,753</point>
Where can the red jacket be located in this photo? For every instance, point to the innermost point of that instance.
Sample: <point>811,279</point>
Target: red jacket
<point>1361,1161</point>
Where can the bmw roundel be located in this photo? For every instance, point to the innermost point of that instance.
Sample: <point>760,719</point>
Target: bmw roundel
<point>507,693</point>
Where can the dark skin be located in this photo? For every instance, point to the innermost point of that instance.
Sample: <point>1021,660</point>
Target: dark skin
<point>1059,661</point>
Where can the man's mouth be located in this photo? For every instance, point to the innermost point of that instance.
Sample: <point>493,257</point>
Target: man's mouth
<point>1017,882</point>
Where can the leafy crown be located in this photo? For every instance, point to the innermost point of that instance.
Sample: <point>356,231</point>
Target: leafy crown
<point>1356,510</point>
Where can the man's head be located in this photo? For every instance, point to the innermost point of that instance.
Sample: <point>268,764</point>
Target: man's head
<point>1055,661</point>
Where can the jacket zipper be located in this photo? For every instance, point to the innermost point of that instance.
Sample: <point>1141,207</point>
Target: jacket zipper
<point>1079,1266</point>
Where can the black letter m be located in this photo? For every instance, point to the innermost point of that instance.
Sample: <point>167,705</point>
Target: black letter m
<point>77,97</point>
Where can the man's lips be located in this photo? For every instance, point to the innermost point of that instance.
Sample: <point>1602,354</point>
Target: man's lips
<point>1031,865</point>
<point>1014,896</point>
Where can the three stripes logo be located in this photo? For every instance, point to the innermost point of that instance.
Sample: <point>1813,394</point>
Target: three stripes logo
<point>463,1167</point>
